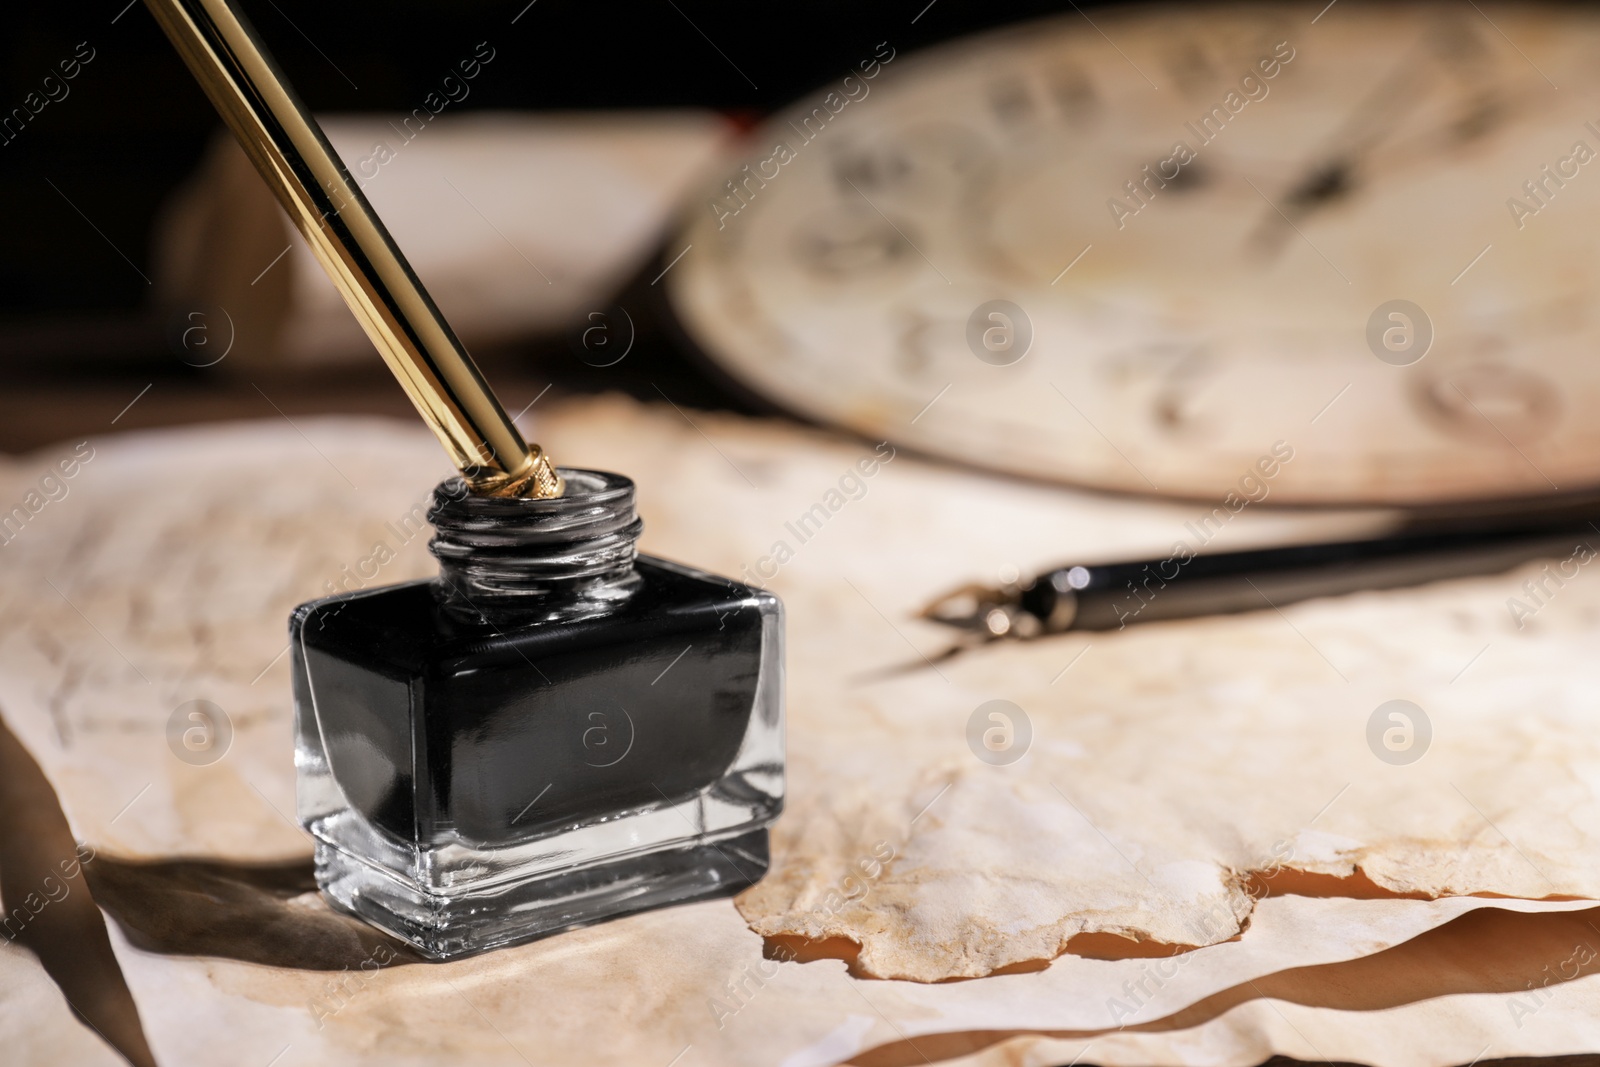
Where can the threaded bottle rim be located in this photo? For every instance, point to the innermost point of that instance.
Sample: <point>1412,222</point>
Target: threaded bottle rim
<point>502,556</point>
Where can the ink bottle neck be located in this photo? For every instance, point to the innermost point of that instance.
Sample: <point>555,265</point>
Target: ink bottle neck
<point>507,560</point>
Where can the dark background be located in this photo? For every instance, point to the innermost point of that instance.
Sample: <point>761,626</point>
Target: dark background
<point>83,183</point>
<point>135,122</point>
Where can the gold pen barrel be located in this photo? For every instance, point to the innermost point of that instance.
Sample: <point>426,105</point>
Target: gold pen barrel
<point>287,146</point>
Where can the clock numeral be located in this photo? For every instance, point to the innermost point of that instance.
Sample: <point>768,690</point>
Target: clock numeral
<point>1174,376</point>
<point>1073,92</point>
<point>1178,402</point>
<point>1490,404</point>
<point>870,169</point>
<point>927,343</point>
<point>1191,68</point>
<point>849,245</point>
<point>1011,101</point>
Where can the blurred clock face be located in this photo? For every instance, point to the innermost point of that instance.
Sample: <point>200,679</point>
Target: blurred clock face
<point>1140,253</point>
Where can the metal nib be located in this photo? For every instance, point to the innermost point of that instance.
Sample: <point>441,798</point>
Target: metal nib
<point>986,612</point>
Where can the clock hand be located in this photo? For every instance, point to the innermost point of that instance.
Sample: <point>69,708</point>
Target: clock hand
<point>1333,173</point>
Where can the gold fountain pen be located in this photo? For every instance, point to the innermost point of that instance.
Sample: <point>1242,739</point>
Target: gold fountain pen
<point>326,205</point>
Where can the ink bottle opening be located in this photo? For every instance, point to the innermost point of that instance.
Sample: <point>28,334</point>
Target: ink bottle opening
<point>553,732</point>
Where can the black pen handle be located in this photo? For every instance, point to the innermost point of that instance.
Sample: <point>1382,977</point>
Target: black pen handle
<point>1110,596</point>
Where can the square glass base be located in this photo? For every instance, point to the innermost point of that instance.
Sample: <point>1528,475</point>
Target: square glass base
<point>445,926</point>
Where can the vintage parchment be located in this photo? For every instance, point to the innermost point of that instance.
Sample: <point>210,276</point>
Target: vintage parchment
<point>691,983</point>
<point>1459,1029</point>
<point>1166,763</point>
<point>1476,990</point>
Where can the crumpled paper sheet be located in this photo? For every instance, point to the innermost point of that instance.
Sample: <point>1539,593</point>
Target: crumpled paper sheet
<point>38,1025</point>
<point>1167,762</point>
<point>1476,990</point>
<point>1460,1029</point>
<point>691,983</point>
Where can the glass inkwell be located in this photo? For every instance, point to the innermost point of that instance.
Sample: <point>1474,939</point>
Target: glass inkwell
<point>550,733</point>
<point>556,730</point>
